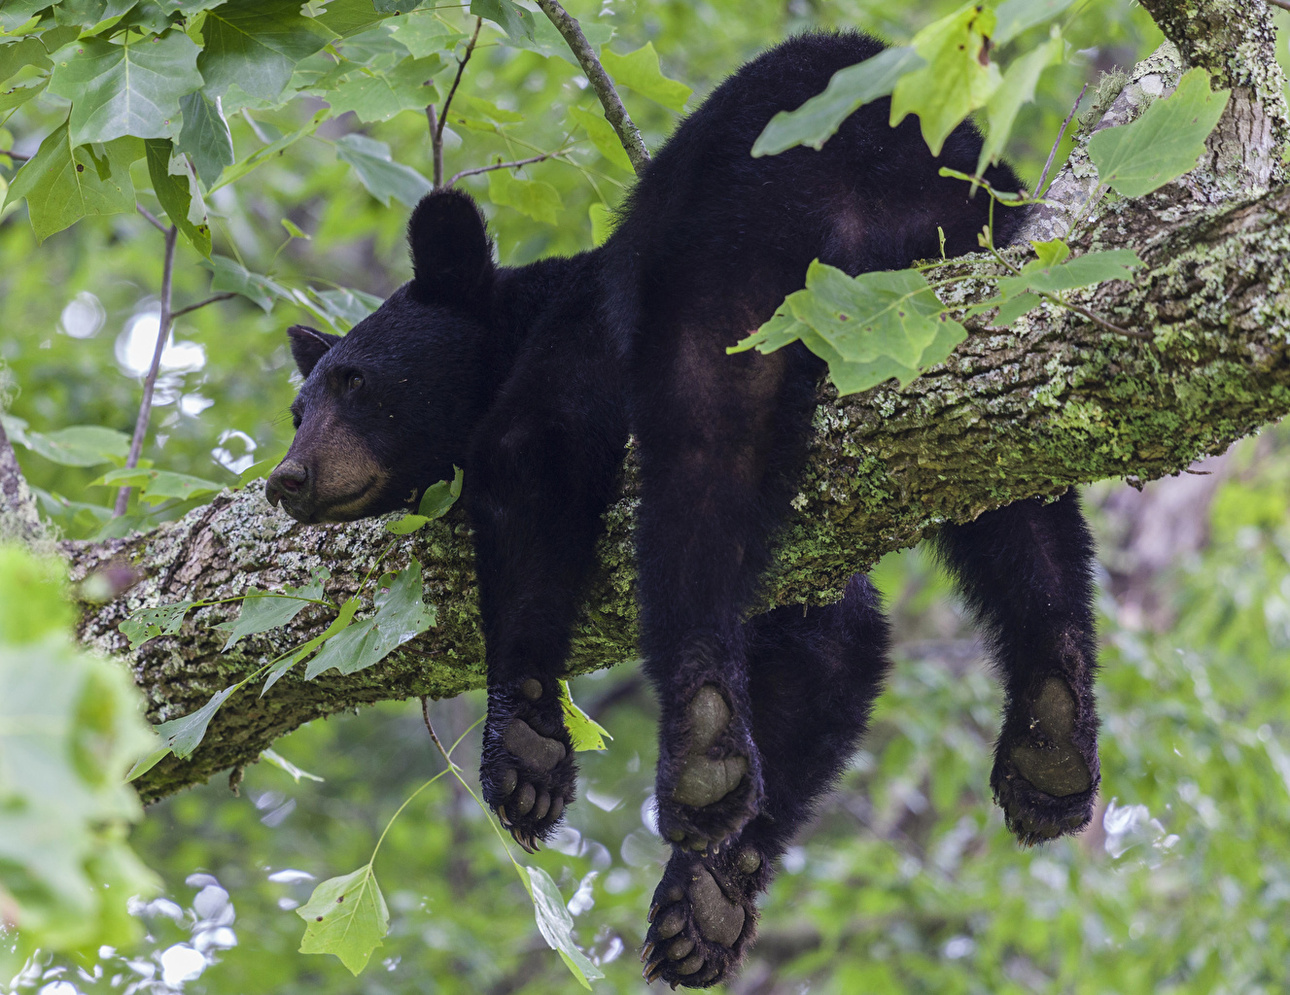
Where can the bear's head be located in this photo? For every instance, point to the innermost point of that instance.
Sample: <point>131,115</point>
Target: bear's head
<point>388,409</point>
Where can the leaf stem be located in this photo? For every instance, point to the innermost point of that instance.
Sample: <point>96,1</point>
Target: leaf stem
<point>201,304</point>
<point>150,382</point>
<point>15,156</point>
<point>615,113</point>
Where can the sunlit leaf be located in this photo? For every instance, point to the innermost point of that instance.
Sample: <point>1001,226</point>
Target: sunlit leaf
<point>602,136</point>
<point>639,71</point>
<point>1080,271</point>
<point>535,198</point>
<point>64,183</point>
<point>585,732</point>
<point>81,445</point>
<point>816,121</point>
<point>159,485</point>
<point>346,916</point>
<point>1164,143</point>
<point>957,78</point>
<point>128,89</point>
<point>556,926</point>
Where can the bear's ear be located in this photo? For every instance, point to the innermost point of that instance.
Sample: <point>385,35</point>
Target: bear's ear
<point>452,257</point>
<point>308,346</point>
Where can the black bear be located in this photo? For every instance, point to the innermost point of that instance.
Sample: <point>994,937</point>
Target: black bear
<point>531,378</point>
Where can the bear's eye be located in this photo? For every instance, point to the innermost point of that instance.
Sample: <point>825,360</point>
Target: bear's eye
<point>354,383</point>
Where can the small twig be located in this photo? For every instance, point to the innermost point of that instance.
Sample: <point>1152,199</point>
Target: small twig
<point>201,304</point>
<point>1061,133</point>
<point>456,81</point>
<point>436,146</point>
<point>16,156</point>
<point>152,219</point>
<point>150,383</point>
<point>1283,4</point>
<point>425,717</point>
<point>503,165</point>
<point>615,112</point>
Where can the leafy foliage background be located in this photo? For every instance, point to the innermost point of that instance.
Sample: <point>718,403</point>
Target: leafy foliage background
<point>909,882</point>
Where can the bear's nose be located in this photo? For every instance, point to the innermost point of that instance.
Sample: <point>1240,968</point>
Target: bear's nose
<point>289,483</point>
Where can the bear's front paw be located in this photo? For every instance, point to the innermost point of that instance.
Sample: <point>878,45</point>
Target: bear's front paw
<point>1046,769</point>
<point>527,770</point>
<point>703,916</point>
<point>710,791</point>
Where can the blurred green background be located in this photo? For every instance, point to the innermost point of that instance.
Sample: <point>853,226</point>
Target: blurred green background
<point>908,881</point>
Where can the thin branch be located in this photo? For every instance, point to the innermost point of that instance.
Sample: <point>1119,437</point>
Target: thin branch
<point>201,304</point>
<point>16,156</point>
<point>1061,133</point>
<point>436,146</point>
<point>503,165</point>
<point>456,81</point>
<point>153,220</point>
<point>150,383</point>
<point>615,112</point>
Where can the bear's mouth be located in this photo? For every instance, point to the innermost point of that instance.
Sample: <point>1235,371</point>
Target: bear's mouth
<point>343,508</point>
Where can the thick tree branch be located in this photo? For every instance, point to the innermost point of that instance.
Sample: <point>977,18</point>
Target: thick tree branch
<point>1052,402</point>
<point>18,515</point>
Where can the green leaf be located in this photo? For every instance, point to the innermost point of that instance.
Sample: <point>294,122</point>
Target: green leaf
<point>535,198</point>
<point>270,151</point>
<point>282,763</point>
<point>158,485</point>
<point>127,89</point>
<point>70,724</point>
<point>397,6</point>
<point>15,57</point>
<point>380,174</point>
<point>350,17</point>
<point>1081,271</point>
<point>556,926</point>
<point>602,136</point>
<point>89,13</point>
<point>256,44</point>
<point>205,136</point>
<point>64,183</point>
<point>435,502</point>
<point>1018,88</point>
<point>182,736</point>
<point>512,18</point>
<point>163,620</point>
<point>1014,308</point>
<point>585,732</point>
<point>265,610</point>
<point>1164,143</point>
<point>339,624</point>
<point>426,33</point>
<point>81,445</point>
<point>1015,16</point>
<point>957,79</point>
<point>176,189</point>
<point>401,615</point>
<point>15,13</point>
<point>377,96</point>
<point>816,121</point>
<point>346,916</point>
<point>639,71</point>
<point>230,275</point>
<point>1051,253</point>
<point>15,97</point>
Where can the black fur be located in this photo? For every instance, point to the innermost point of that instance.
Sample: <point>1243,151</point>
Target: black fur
<point>532,377</point>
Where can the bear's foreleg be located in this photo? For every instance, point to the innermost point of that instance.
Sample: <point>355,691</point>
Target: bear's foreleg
<point>1025,571</point>
<point>813,678</point>
<point>543,467</point>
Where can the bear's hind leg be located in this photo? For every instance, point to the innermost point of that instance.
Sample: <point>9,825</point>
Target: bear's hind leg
<point>813,678</point>
<point>1025,571</point>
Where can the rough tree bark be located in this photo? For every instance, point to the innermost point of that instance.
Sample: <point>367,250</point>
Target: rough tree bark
<point>1052,401</point>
